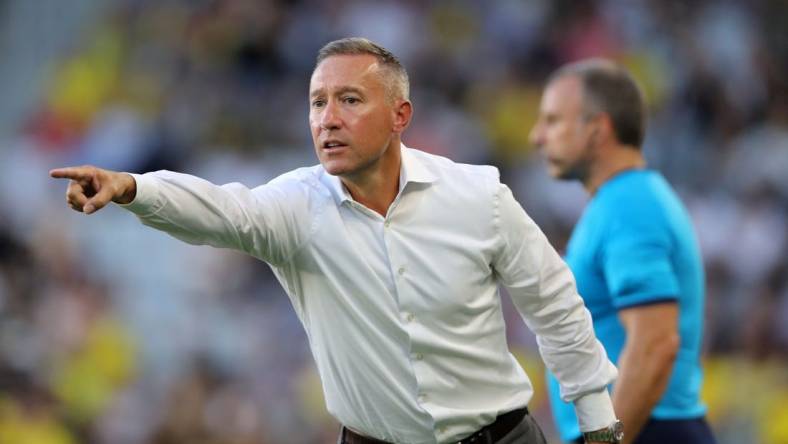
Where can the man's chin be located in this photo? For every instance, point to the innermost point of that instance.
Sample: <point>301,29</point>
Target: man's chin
<point>335,168</point>
<point>559,173</point>
<point>564,176</point>
<point>556,172</point>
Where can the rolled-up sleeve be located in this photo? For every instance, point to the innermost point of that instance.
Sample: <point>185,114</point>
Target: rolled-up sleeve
<point>544,292</point>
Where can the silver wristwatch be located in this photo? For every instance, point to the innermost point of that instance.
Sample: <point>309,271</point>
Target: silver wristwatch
<point>614,433</point>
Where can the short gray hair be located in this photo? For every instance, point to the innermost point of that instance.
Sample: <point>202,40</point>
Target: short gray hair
<point>399,84</point>
<point>610,89</point>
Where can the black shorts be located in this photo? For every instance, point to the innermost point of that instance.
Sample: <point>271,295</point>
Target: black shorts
<point>673,431</point>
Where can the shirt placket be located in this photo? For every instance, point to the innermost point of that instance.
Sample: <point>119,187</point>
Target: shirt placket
<point>411,322</point>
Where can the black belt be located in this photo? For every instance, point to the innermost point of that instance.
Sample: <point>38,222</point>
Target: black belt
<point>497,430</point>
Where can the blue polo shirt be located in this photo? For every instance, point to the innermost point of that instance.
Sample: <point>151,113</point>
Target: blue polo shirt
<point>635,245</point>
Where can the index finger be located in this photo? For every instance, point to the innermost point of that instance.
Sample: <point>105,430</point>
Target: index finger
<point>74,173</point>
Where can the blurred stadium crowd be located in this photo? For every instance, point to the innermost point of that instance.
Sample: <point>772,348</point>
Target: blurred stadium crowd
<point>113,333</point>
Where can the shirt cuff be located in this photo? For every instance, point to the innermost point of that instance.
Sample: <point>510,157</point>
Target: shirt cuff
<point>144,203</point>
<point>595,411</point>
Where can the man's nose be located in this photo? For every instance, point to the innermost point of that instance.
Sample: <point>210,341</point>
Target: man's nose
<point>330,120</point>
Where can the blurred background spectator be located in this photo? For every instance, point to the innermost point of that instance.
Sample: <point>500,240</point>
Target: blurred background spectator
<point>113,333</point>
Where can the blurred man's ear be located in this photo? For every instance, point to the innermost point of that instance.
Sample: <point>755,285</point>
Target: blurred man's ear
<point>603,129</point>
<point>607,129</point>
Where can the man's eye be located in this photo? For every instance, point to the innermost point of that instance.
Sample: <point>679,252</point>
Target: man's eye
<point>351,100</point>
<point>318,103</point>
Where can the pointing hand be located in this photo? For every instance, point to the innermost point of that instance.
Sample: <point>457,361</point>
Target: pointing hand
<point>91,188</point>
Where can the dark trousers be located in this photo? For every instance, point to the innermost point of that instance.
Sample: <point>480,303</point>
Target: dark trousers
<point>527,431</point>
<point>673,431</point>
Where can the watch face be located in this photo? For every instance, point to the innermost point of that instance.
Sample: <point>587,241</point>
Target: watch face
<point>618,430</point>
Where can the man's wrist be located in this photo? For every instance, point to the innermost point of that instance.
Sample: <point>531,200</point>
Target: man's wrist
<point>128,189</point>
<point>614,433</point>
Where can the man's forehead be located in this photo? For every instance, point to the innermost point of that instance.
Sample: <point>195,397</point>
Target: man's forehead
<point>566,85</point>
<point>563,92</point>
<point>344,70</point>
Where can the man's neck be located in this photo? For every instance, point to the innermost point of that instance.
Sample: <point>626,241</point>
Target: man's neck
<point>621,158</point>
<point>376,189</point>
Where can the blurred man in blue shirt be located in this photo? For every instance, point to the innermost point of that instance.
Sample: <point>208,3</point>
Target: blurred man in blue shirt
<point>633,252</point>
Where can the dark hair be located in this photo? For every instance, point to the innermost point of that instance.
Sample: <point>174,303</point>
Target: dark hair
<point>609,88</point>
<point>361,46</point>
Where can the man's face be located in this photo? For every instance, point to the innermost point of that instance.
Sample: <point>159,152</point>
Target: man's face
<point>352,121</point>
<point>562,131</point>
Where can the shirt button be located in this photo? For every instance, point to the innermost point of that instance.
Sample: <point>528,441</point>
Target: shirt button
<point>409,317</point>
<point>421,398</point>
<point>442,429</point>
<point>418,356</point>
<point>387,223</point>
<point>401,271</point>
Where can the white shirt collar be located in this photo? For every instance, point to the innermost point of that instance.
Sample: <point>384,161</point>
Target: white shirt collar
<point>411,170</point>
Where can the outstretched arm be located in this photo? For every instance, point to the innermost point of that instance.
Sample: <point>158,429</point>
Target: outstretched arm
<point>91,188</point>
<point>268,222</point>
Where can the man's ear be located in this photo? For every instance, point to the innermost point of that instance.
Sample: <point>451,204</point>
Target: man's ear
<point>603,128</point>
<point>403,111</point>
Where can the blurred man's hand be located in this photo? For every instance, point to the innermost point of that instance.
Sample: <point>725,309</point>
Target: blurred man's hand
<point>91,188</point>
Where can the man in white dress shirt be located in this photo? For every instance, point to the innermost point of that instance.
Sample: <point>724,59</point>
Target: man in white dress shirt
<point>392,259</point>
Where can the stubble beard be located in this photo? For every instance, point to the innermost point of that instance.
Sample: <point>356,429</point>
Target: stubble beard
<point>580,168</point>
<point>356,167</point>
